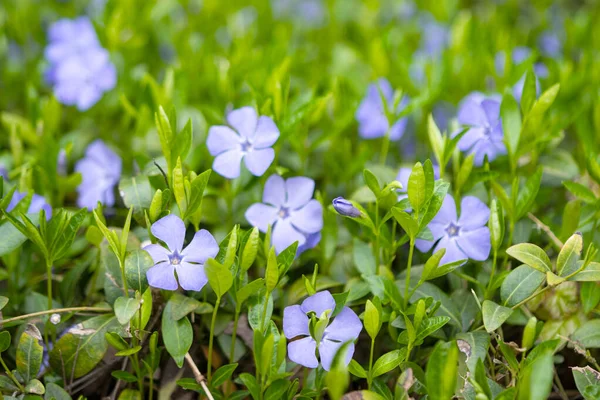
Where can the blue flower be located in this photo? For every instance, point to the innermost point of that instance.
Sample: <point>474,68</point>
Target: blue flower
<point>250,139</point>
<point>80,70</point>
<point>37,204</point>
<point>464,237</point>
<point>300,323</point>
<point>188,263</point>
<point>372,120</point>
<point>481,115</point>
<point>346,208</point>
<point>100,171</point>
<point>289,208</point>
<point>550,44</point>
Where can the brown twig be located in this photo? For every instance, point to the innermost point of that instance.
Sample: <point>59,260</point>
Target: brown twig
<point>200,379</point>
<point>557,242</point>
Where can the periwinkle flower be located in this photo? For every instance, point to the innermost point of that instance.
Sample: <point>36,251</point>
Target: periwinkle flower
<point>550,44</point>
<point>484,137</point>
<point>310,324</point>
<point>346,208</point>
<point>289,208</point>
<point>372,120</point>
<point>250,139</point>
<point>188,263</point>
<point>80,70</point>
<point>464,237</point>
<point>37,204</point>
<point>100,171</point>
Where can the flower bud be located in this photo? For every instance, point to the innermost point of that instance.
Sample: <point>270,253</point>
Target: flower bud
<point>346,208</point>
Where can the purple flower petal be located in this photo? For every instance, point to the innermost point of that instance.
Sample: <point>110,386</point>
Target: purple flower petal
<point>303,352</point>
<point>202,247</point>
<point>266,133</point>
<point>274,192</point>
<point>319,303</point>
<point>299,191</point>
<point>162,276</point>
<point>471,136</point>
<point>471,113</point>
<point>259,160</point>
<point>328,350</point>
<point>15,199</point>
<point>492,110</point>
<point>447,213</point>
<point>346,326</point>
<point>261,216</point>
<point>191,276</point>
<point>295,322</point>
<point>158,253</point>
<point>220,139</point>
<point>424,245</point>
<point>311,242</point>
<point>284,235</point>
<point>227,164</point>
<point>244,120</point>
<point>171,230</point>
<point>476,243</point>
<point>437,230</point>
<point>308,219</point>
<point>453,252</point>
<point>473,213</point>
<point>398,129</point>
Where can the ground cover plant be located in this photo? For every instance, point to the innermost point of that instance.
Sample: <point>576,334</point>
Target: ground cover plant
<point>299,199</point>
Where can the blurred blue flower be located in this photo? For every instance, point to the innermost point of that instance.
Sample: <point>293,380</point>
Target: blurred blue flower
<point>442,113</point>
<point>346,208</point>
<point>37,204</point>
<point>80,70</point>
<point>435,36</point>
<point>188,263</point>
<point>100,171</point>
<point>300,320</point>
<point>464,237</point>
<point>550,44</point>
<point>250,139</point>
<point>372,120</point>
<point>307,13</point>
<point>484,137</point>
<point>289,208</point>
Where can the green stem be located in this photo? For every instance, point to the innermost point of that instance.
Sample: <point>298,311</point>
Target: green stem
<point>531,297</point>
<point>489,285</point>
<point>49,283</point>
<point>234,333</point>
<point>408,266</point>
<point>370,378</point>
<point>123,278</point>
<point>377,229</point>
<point>211,337</point>
<point>55,311</point>
<point>10,374</point>
<point>511,231</point>
<point>385,148</point>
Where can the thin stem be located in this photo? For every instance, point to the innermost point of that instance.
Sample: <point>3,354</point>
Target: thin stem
<point>377,229</point>
<point>489,285</point>
<point>556,241</point>
<point>211,337</point>
<point>511,231</point>
<point>123,278</point>
<point>56,311</point>
<point>542,290</point>
<point>234,334</point>
<point>10,374</point>
<point>385,148</point>
<point>408,266</point>
<point>49,283</point>
<point>200,379</point>
<point>371,364</point>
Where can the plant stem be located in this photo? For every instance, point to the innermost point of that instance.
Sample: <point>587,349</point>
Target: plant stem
<point>511,231</point>
<point>385,148</point>
<point>542,290</point>
<point>377,229</point>
<point>198,375</point>
<point>234,333</point>
<point>487,289</point>
<point>55,311</point>
<point>123,278</point>
<point>211,337</point>
<point>49,282</point>
<point>370,379</point>
<point>408,266</point>
<point>10,374</point>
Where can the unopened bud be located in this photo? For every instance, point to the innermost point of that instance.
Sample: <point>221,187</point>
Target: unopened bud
<point>346,208</point>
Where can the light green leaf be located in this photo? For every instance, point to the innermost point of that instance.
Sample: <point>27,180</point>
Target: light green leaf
<point>531,255</point>
<point>388,362</point>
<point>519,284</point>
<point>182,305</point>
<point>125,308</point>
<point>29,353</point>
<point>219,277</point>
<point>494,315</point>
<point>442,371</point>
<point>372,319</point>
<point>416,188</point>
<point>137,264</point>
<point>511,123</point>
<point>177,335</point>
<point>566,263</point>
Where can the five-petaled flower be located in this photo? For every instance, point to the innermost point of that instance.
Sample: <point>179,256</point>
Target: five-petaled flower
<point>464,237</point>
<point>37,203</point>
<point>372,119</point>
<point>484,137</point>
<point>309,323</point>
<point>100,171</point>
<point>289,208</point>
<point>250,139</point>
<point>188,263</point>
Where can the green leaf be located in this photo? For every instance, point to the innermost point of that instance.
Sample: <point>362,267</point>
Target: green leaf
<point>496,225</point>
<point>250,250</point>
<point>581,192</point>
<point>372,182</point>
<point>178,187</point>
<point>543,103</point>
<point>531,255</point>
<point>570,219</point>
<point>136,192</point>
<point>116,341</point>
<point>34,386</point>
<point>125,309</point>
<point>494,315</point>
<point>477,345</point>
<point>197,188</point>
<point>137,264</point>
<point>417,188</point>
<point>248,290</point>
<point>363,258</point>
<point>165,134</point>
<point>589,294</point>
<point>519,284</point>
<point>388,362</point>
<point>250,382</point>
<point>442,371</point>
<point>130,394</point>
<point>372,319</point>
<point>431,264</point>
<point>29,353</point>
<point>83,346</point>
<point>177,335</point>
<point>527,193</point>
<point>566,263</point>
<point>183,141</point>
<point>271,272</point>
<point>529,91</point>
<point>434,204</point>
<point>446,268</point>
<point>182,305</point>
<point>406,221</point>
<point>584,378</point>
<point>429,326</point>
<point>588,334</point>
<point>4,341</point>
<point>55,392</point>
<point>231,248</point>
<point>128,352</point>
<point>124,376</point>
<point>591,273</point>
<point>435,139</point>
<point>535,381</point>
<point>356,369</point>
<point>222,374</point>
<point>511,124</point>
<point>219,277</point>
<point>12,238</point>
